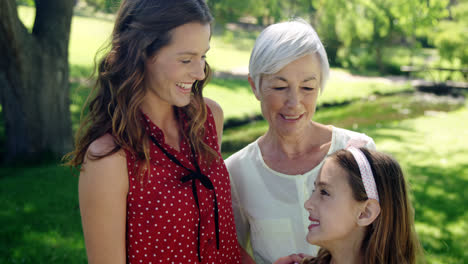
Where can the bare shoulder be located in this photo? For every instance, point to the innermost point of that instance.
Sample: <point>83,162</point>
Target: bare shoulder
<point>215,108</point>
<point>96,173</point>
<point>218,116</point>
<point>102,145</point>
<point>217,111</point>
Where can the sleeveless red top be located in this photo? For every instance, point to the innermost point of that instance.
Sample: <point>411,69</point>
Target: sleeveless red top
<point>162,215</point>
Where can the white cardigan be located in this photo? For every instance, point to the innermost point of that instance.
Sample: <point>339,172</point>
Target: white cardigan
<point>269,205</point>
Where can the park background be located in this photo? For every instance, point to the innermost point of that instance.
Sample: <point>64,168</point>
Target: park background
<point>420,117</point>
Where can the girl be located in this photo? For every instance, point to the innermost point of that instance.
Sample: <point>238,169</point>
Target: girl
<point>153,187</point>
<point>359,212</point>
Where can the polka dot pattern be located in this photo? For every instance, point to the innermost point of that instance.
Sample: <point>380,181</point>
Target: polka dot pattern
<point>162,216</point>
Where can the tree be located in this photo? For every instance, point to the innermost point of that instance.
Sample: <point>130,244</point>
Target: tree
<point>34,89</point>
<point>451,36</point>
<point>364,28</point>
<point>109,6</point>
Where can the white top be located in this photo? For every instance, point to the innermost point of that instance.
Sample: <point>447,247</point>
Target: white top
<point>269,205</point>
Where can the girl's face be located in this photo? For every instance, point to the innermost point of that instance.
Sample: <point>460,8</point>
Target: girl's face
<point>171,73</point>
<point>333,212</point>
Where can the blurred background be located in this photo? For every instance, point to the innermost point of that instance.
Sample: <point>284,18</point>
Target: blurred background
<point>399,74</point>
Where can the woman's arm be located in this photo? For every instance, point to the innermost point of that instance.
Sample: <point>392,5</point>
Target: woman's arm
<point>218,116</point>
<point>103,187</point>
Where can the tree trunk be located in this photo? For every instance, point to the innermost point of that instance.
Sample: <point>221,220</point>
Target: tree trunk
<point>34,79</point>
<point>379,58</point>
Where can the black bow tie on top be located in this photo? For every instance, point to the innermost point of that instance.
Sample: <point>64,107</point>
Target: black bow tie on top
<point>193,176</point>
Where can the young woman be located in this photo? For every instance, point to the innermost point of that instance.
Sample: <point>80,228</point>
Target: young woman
<point>359,212</point>
<point>153,187</point>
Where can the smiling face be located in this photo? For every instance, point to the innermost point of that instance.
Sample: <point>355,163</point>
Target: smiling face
<point>288,98</point>
<point>333,211</point>
<point>171,73</point>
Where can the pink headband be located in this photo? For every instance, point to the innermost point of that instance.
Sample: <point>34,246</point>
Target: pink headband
<point>365,170</point>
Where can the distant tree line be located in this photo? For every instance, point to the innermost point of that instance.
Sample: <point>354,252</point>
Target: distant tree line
<point>357,33</point>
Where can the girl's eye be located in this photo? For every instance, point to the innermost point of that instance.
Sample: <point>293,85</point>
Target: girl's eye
<point>324,192</point>
<point>186,61</point>
<point>279,88</point>
<point>308,88</point>
<point>203,57</point>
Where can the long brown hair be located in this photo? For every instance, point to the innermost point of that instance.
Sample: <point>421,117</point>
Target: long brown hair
<point>391,238</point>
<point>141,29</point>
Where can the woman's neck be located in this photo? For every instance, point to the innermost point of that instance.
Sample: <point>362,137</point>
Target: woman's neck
<point>160,112</point>
<point>293,146</point>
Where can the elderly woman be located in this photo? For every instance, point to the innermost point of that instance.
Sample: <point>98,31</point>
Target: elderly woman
<point>273,176</point>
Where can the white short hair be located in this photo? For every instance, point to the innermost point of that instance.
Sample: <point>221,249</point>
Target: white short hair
<point>282,43</point>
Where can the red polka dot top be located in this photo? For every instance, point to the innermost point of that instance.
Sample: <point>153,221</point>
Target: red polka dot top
<point>162,214</point>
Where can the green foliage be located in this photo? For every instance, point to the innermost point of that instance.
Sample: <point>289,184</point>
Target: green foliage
<point>108,6</point>
<point>228,10</point>
<point>357,28</point>
<point>26,3</point>
<point>451,35</point>
<point>265,11</point>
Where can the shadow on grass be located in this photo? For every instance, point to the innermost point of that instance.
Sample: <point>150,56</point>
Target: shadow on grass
<point>40,217</point>
<point>232,84</point>
<point>438,188</point>
<point>440,206</point>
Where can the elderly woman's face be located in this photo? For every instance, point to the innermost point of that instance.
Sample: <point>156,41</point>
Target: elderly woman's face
<point>288,98</point>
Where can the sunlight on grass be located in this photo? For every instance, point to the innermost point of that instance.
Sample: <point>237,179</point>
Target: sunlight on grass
<point>86,37</point>
<point>234,96</point>
<point>27,16</point>
<point>53,239</point>
<point>433,152</point>
<point>338,90</point>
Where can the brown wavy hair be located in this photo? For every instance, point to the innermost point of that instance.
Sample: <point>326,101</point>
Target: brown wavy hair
<point>142,28</point>
<point>391,238</point>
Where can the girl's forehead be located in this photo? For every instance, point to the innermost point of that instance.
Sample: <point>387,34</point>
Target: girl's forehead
<point>332,174</point>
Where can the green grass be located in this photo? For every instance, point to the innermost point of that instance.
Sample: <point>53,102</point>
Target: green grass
<point>434,154</point>
<point>40,216</point>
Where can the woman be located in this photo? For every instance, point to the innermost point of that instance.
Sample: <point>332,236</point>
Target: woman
<point>153,187</point>
<point>272,177</point>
